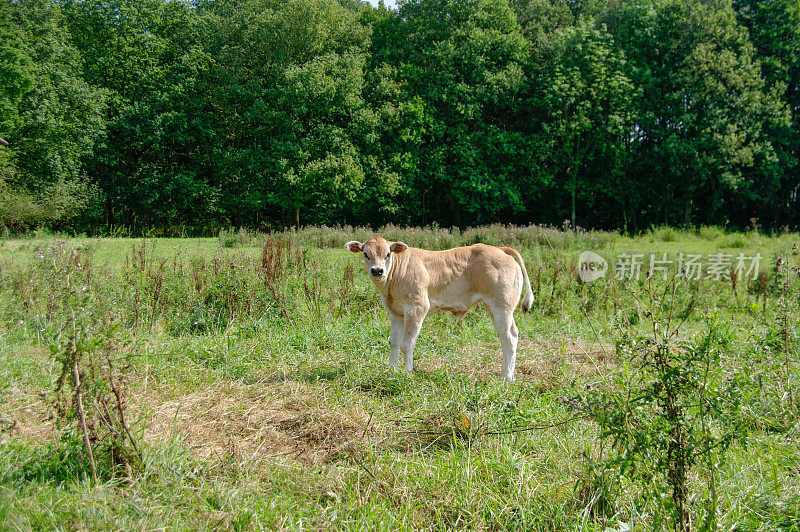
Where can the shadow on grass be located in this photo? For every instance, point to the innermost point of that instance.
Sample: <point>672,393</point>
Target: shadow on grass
<point>310,374</point>
<point>384,383</point>
<point>49,463</point>
<point>379,382</point>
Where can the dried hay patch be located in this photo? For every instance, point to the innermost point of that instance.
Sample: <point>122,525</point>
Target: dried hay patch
<point>249,422</point>
<point>546,359</point>
<point>537,359</point>
<point>476,362</point>
<point>25,414</point>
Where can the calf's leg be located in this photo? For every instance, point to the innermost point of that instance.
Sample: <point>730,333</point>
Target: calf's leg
<point>414,316</point>
<point>395,338</point>
<point>503,319</point>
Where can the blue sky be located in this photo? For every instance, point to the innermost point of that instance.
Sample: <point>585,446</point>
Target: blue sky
<point>389,3</point>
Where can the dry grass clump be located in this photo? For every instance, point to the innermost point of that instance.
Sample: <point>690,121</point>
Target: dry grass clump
<point>247,423</point>
<point>545,359</point>
<point>538,360</point>
<point>25,414</point>
<point>33,425</point>
<point>476,362</point>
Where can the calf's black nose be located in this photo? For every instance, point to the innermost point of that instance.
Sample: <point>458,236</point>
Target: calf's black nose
<point>377,272</point>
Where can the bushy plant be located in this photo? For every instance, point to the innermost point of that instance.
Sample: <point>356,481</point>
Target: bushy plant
<point>18,209</point>
<point>670,407</point>
<point>21,210</point>
<point>90,393</point>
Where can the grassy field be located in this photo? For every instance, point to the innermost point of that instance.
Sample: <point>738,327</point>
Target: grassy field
<point>252,373</point>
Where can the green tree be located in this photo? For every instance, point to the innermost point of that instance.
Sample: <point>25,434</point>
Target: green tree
<point>321,170</point>
<point>127,47</point>
<point>701,123</point>
<point>463,63</point>
<point>540,19</point>
<point>774,29</point>
<point>17,67</point>
<point>50,115</point>
<point>286,81</point>
<point>588,98</point>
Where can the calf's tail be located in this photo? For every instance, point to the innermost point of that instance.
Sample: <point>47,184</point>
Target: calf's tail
<point>527,300</point>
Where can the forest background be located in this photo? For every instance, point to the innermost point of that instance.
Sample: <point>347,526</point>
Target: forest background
<point>184,117</point>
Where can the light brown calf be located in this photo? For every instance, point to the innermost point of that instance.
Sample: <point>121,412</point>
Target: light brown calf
<point>413,282</point>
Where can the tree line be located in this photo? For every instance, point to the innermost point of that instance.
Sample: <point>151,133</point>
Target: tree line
<point>192,114</point>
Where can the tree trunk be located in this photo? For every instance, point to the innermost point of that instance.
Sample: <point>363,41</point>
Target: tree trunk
<point>687,213</point>
<point>625,219</point>
<point>109,212</point>
<point>574,192</point>
<point>297,218</point>
<point>573,208</point>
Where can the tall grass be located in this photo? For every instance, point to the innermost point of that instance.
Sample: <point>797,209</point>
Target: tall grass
<point>259,397</point>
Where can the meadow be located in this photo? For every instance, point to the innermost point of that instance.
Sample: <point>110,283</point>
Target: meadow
<point>240,382</point>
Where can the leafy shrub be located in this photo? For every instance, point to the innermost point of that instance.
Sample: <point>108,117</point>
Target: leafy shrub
<point>230,238</point>
<point>57,206</point>
<point>710,232</point>
<point>735,241</point>
<point>662,234</point>
<point>18,209</point>
<point>670,406</point>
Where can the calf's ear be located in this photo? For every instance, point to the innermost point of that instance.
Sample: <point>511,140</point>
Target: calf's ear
<point>398,247</point>
<point>355,247</point>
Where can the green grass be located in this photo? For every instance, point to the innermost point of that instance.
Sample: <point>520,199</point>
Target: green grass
<point>261,407</point>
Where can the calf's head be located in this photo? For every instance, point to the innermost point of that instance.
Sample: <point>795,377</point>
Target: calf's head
<point>378,255</point>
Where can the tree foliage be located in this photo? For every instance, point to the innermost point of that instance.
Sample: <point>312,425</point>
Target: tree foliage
<point>50,115</point>
<point>194,115</point>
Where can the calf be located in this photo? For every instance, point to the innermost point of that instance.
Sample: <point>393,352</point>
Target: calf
<point>413,282</point>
